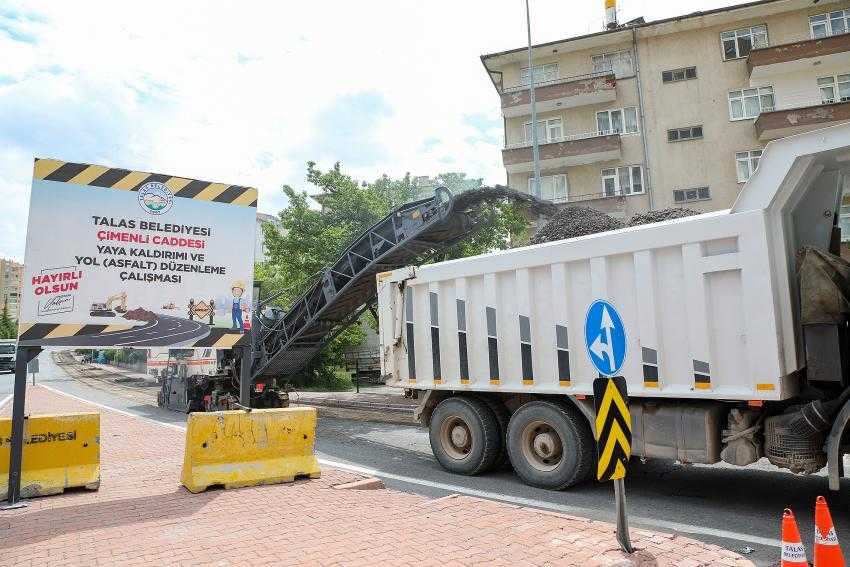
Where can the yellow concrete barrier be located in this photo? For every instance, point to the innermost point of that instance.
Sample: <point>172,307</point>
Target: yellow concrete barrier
<point>60,451</point>
<point>239,448</point>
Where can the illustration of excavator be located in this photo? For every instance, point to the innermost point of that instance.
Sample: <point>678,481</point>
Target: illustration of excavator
<point>107,309</point>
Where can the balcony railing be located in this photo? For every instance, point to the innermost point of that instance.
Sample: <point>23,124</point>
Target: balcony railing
<point>567,138</point>
<point>797,116</point>
<point>558,81</point>
<point>767,61</point>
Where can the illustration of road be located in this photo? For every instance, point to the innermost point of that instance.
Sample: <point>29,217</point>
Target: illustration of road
<point>165,330</point>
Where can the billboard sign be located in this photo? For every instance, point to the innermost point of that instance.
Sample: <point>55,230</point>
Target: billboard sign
<point>119,258</point>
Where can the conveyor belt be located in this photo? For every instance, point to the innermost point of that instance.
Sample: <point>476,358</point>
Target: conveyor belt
<point>284,344</point>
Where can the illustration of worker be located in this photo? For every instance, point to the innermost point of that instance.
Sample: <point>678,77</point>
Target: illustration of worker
<point>192,309</point>
<point>212,311</point>
<point>237,289</point>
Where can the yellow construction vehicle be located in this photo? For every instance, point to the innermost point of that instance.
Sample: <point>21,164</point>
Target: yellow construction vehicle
<point>107,309</point>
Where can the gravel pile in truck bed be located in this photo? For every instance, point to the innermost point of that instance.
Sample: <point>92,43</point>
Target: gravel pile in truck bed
<point>574,221</point>
<point>661,215</point>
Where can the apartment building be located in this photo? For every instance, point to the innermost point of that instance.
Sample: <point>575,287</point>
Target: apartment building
<point>648,115</point>
<point>11,275</point>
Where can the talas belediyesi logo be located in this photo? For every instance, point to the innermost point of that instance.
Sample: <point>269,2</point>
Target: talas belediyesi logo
<point>155,198</point>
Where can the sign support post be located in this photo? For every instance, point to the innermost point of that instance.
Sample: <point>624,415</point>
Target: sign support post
<point>605,340</point>
<point>622,518</point>
<point>22,358</point>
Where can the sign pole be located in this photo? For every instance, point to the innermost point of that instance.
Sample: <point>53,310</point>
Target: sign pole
<point>606,343</point>
<point>22,357</point>
<point>622,519</point>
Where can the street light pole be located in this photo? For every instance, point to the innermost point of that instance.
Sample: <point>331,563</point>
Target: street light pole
<point>535,148</point>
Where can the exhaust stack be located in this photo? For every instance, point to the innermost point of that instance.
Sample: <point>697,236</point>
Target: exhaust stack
<point>610,14</point>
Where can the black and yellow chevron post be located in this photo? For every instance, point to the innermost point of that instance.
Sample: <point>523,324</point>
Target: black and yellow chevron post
<point>613,428</point>
<point>127,180</point>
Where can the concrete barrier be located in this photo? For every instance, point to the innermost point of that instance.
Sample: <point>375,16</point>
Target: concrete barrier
<point>240,448</point>
<point>60,451</point>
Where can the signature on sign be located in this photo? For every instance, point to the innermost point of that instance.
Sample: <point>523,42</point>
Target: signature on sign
<point>57,304</point>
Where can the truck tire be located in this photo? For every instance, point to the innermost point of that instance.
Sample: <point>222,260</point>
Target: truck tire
<point>465,436</point>
<point>503,417</point>
<point>550,445</point>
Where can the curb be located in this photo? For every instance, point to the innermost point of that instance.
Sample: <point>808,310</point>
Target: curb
<point>354,404</point>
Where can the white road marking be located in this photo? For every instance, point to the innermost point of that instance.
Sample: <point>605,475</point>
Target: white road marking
<point>5,400</point>
<point>142,339</point>
<point>454,488</point>
<point>135,329</point>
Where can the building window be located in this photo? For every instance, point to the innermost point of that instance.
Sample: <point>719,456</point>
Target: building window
<point>542,73</point>
<point>620,62</point>
<point>690,195</point>
<point>552,187</point>
<point>834,89</point>
<point>747,163</point>
<point>739,43</point>
<point>627,180</point>
<point>676,75</point>
<point>550,130</point>
<point>617,121</point>
<point>749,103</point>
<point>683,134</point>
<point>833,23</point>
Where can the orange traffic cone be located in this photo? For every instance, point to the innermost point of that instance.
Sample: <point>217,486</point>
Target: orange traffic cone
<point>793,552</point>
<point>827,551</point>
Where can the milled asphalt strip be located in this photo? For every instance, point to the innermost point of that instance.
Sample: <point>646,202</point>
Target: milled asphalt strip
<point>518,500</point>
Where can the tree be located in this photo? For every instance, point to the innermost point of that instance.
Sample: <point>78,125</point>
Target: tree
<point>312,237</point>
<point>8,327</point>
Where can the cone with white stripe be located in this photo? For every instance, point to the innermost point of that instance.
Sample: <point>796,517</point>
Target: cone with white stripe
<point>827,551</point>
<point>793,552</point>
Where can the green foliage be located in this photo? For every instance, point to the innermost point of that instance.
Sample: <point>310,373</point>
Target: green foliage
<point>8,327</point>
<point>313,237</point>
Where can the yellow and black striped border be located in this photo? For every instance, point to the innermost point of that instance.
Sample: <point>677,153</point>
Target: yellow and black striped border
<point>126,180</point>
<point>34,334</point>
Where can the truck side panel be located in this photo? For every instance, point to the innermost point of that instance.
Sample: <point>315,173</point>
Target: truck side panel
<point>695,295</point>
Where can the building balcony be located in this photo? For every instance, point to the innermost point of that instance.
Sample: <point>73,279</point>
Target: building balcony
<point>798,56</point>
<point>567,92</point>
<point>579,149</point>
<point>787,122</point>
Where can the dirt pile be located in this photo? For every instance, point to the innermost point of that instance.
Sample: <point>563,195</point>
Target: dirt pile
<point>661,215</point>
<point>140,315</point>
<point>575,221</point>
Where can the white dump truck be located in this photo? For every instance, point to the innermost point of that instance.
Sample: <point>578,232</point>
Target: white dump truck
<point>736,327</point>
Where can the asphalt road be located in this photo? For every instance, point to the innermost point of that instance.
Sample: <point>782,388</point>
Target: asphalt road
<point>739,509</point>
<point>165,330</point>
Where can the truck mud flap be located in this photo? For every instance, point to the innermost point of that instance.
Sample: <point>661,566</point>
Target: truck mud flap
<point>60,451</point>
<point>241,448</point>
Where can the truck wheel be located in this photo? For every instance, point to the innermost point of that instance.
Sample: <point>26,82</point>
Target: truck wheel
<point>465,436</point>
<point>550,445</point>
<point>503,417</point>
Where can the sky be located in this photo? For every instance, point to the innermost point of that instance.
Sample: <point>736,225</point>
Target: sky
<point>247,92</point>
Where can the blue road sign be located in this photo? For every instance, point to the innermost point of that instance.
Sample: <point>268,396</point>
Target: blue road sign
<point>605,337</point>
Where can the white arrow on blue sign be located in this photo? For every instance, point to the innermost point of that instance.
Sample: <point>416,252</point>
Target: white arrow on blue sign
<point>605,337</point>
